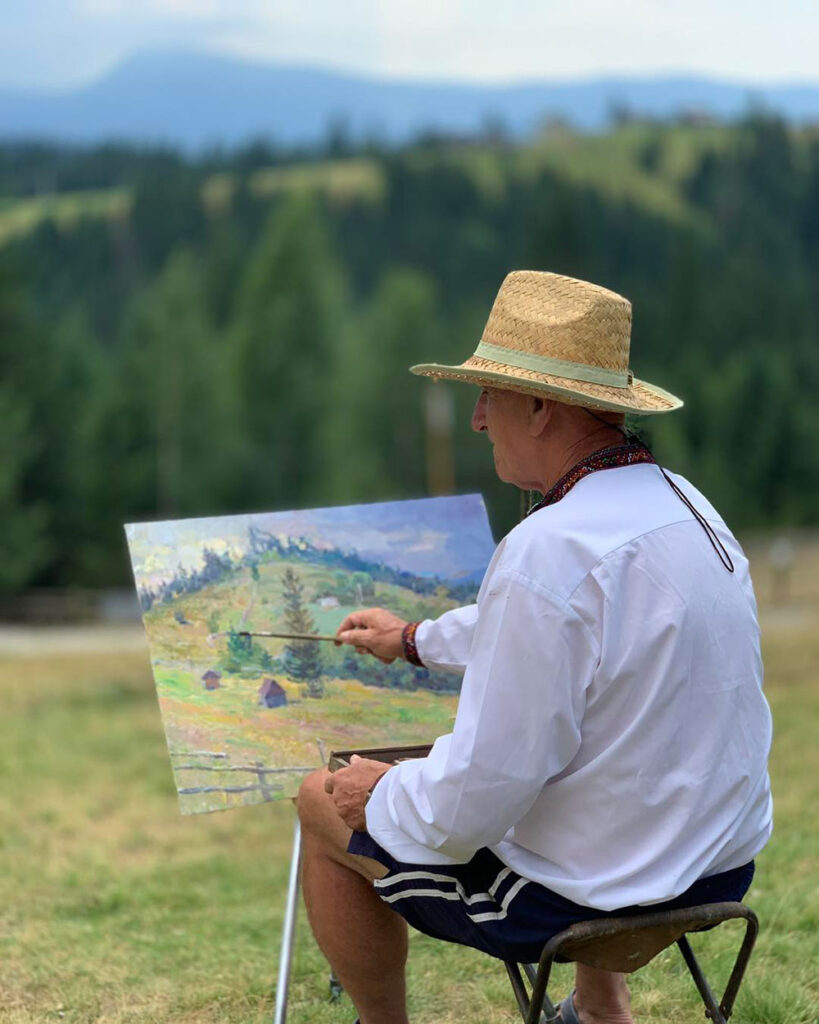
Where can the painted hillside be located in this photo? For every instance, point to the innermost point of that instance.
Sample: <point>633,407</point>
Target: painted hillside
<point>245,717</point>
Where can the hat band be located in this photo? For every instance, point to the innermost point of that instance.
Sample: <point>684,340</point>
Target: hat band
<point>558,367</point>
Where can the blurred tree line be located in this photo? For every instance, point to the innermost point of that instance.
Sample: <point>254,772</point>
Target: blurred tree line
<point>200,357</point>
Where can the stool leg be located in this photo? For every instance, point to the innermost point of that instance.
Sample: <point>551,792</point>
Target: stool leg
<point>744,955</point>
<point>712,1010</point>
<point>526,1005</point>
<point>518,987</point>
<point>549,1009</point>
<point>540,1004</point>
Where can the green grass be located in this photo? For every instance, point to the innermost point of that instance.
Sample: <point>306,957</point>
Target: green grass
<point>20,217</point>
<point>610,164</point>
<point>339,180</point>
<point>115,909</point>
<point>350,178</point>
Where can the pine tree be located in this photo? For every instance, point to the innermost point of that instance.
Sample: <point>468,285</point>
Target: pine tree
<point>24,545</point>
<point>377,413</point>
<point>304,656</point>
<point>290,304</point>
<point>174,396</point>
<point>25,541</point>
<point>239,651</point>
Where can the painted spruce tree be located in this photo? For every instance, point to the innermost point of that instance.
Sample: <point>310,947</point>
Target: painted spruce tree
<point>304,662</point>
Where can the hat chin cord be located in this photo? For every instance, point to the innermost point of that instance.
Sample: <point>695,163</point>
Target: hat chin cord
<point>708,529</point>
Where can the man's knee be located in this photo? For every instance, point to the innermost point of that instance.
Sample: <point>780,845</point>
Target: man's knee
<point>325,830</point>
<point>313,803</point>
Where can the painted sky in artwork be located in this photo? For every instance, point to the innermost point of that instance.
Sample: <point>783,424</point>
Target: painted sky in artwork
<point>445,537</point>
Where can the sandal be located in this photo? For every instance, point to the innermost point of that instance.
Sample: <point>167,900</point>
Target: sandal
<point>566,1012</point>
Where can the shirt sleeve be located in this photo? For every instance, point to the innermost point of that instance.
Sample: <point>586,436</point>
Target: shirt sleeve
<point>518,725</point>
<point>444,643</point>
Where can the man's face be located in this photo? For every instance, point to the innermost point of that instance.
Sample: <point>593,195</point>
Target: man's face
<point>504,417</point>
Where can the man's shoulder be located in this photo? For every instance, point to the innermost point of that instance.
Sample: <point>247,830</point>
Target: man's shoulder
<point>604,513</point>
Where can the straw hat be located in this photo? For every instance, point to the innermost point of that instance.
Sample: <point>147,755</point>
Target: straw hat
<point>557,336</point>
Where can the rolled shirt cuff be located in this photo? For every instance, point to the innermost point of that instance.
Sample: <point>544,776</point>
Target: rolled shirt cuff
<point>380,817</point>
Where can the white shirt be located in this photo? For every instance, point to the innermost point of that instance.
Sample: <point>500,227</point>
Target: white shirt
<point>612,737</point>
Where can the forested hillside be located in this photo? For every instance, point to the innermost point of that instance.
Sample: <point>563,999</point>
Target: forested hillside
<point>230,333</point>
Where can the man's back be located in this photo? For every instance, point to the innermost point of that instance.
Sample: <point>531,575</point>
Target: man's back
<point>612,734</point>
<point>670,778</point>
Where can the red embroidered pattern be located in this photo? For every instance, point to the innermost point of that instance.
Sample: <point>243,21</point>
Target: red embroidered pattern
<point>630,454</point>
<point>408,644</point>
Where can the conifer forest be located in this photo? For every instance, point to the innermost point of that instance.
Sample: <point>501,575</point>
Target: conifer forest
<point>199,335</point>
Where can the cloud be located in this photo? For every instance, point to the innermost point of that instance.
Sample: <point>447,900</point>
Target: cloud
<point>196,10</point>
<point>430,540</point>
<point>526,39</point>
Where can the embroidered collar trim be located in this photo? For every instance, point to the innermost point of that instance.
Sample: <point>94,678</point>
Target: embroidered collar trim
<point>631,454</point>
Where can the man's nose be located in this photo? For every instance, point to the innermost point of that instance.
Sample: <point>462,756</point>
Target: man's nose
<point>478,421</point>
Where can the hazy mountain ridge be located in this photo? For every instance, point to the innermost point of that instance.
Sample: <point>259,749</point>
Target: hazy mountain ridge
<point>197,100</point>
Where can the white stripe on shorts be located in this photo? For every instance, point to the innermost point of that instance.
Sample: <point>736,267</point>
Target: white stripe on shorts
<point>507,899</point>
<point>459,893</point>
<point>411,876</point>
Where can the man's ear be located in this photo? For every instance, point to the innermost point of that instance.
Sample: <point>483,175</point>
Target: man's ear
<point>540,414</point>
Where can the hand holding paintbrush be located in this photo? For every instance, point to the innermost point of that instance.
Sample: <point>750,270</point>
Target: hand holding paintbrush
<point>374,631</point>
<point>371,631</point>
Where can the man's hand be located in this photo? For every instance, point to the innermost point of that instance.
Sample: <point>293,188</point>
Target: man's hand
<point>350,789</point>
<point>373,631</point>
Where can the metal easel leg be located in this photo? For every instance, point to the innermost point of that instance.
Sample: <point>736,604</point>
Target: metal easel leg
<point>288,930</point>
<point>336,988</point>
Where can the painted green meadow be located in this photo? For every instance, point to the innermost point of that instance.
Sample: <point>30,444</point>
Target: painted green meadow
<point>247,715</point>
<point>115,909</point>
<point>232,721</point>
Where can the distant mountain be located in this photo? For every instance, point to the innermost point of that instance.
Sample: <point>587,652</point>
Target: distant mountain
<point>194,100</point>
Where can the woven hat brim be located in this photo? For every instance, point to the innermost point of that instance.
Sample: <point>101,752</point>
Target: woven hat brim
<point>639,397</point>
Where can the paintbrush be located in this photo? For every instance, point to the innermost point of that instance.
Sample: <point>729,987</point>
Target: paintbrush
<point>279,636</point>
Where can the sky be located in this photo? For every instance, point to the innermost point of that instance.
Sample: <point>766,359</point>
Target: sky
<point>54,44</point>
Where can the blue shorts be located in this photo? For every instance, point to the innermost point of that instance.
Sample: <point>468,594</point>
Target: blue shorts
<point>486,905</point>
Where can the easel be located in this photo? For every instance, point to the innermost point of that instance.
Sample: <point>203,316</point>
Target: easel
<point>288,929</point>
<point>338,759</point>
<point>288,934</point>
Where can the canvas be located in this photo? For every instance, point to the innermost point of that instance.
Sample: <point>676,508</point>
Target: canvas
<point>246,717</point>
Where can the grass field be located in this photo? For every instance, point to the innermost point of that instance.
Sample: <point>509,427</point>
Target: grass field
<point>19,217</point>
<point>115,909</point>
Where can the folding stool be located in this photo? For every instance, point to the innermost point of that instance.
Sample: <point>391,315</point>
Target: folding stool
<point>625,944</point>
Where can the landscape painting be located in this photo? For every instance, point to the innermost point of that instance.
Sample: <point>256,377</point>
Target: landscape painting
<point>247,716</point>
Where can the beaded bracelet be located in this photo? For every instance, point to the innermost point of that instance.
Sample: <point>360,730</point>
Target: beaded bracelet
<point>408,644</point>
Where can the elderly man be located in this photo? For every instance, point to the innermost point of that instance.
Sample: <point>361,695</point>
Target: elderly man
<point>610,747</point>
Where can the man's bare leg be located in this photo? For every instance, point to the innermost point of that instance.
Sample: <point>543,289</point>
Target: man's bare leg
<point>364,941</point>
<point>601,997</point>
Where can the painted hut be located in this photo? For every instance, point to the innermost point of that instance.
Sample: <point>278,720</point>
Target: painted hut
<point>212,680</point>
<point>271,695</point>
